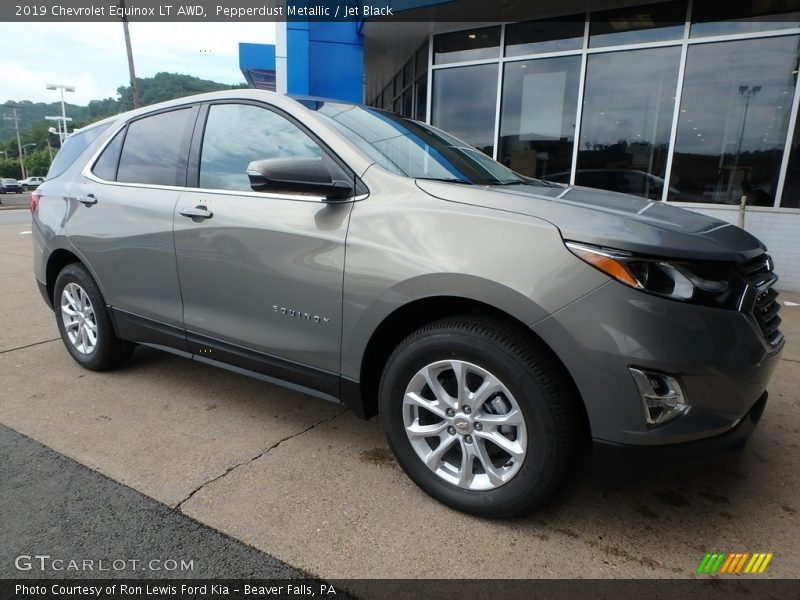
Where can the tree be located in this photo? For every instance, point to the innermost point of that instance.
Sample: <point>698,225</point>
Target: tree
<point>161,87</point>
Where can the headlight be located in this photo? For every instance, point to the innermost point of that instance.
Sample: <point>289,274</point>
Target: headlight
<point>701,283</point>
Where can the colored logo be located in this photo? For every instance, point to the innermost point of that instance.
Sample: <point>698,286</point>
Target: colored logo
<point>735,563</point>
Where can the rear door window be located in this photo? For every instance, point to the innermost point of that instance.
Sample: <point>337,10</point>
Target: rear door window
<point>106,165</point>
<point>155,149</point>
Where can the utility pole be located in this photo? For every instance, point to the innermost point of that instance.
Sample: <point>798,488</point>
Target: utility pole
<point>24,154</point>
<point>14,117</point>
<point>129,50</point>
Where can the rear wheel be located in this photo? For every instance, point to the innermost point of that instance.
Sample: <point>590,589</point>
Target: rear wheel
<point>478,416</point>
<point>84,322</point>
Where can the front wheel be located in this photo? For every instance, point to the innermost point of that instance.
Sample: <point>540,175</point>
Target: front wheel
<point>84,321</point>
<point>478,416</point>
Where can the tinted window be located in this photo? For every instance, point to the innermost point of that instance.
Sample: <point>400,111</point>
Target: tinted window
<point>73,147</point>
<point>238,134</point>
<point>537,120</point>
<point>550,35</point>
<point>627,118</point>
<point>464,101</point>
<point>153,152</point>
<point>735,107</point>
<point>106,165</point>
<point>466,45</point>
<point>742,16</point>
<point>652,23</point>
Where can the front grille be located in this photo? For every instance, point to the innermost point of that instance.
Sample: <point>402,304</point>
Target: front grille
<point>759,276</point>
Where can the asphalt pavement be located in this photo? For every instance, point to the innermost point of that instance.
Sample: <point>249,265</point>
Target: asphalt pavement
<point>61,519</point>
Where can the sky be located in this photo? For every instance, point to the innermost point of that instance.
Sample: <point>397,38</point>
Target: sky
<point>91,56</point>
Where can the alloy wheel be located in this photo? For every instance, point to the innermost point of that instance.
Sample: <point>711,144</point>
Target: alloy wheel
<point>80,322</point>
<point>464,425</point>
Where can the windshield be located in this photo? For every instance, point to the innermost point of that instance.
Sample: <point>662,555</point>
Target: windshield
<point>411,148</point>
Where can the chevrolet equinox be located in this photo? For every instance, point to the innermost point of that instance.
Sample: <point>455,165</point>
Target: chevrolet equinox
<point>494,321</point>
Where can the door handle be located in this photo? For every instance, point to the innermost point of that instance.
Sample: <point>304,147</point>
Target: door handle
<point>87,200</point>
<point>197,213</point>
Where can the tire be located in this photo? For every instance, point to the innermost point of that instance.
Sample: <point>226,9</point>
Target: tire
<point>533,398</point>
<point>75,326</point>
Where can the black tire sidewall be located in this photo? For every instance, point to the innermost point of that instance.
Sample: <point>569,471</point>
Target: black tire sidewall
<point>530,486</point>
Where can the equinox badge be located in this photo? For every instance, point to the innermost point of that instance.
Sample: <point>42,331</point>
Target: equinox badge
<point>290,312</point>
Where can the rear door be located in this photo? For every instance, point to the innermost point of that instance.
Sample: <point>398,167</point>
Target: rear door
<point>121,223</point>
<point>261,274</point>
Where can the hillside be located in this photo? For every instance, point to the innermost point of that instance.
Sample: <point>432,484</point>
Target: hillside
<point>161,87</point>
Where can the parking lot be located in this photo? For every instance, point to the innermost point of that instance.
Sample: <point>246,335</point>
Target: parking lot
<point>306,481</point>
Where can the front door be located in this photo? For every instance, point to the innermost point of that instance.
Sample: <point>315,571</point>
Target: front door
<point>260,274</point>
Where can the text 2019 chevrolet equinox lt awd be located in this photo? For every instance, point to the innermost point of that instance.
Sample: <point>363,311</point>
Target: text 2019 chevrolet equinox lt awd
<point>493,321</point>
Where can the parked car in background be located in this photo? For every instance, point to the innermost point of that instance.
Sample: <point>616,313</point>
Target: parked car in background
<point>31,183</point>
<point>498,324</point>
<point>8,185</point>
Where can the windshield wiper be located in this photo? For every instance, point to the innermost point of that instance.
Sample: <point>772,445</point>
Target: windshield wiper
<point>510,182</point>
<point>447,180</point>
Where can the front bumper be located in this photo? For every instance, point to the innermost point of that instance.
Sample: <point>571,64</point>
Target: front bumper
<point>616,464</point>
<point>720,357</point>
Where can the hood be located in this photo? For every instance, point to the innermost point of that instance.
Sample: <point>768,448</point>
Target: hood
<point>613,220</point>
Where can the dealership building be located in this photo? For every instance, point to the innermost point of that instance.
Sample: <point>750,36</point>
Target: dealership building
<point>687,102</point>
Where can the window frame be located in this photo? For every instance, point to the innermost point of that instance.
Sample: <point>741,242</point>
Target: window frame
<point>194,146</point>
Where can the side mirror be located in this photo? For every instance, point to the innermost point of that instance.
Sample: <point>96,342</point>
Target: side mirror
<point>299,176</point>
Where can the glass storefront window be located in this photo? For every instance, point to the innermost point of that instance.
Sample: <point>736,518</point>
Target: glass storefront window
<point>421,113</point>
<point>735,108</point>
<point>464,103</point>
<point>791,188</point>
<point>651,23</point>
<point>549,35</point>
<point>422,59</point>
<point>386,97</point>
<point>627,117</point>
<point>537,119</point>
<point>408,99</point>
<point>408,73</point>
<point>472,44</point>
<point>743,16</point>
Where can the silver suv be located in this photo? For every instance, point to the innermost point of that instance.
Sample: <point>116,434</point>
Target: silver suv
<point>495,322</point>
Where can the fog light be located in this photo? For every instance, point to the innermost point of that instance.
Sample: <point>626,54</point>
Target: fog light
<point>661,394</point>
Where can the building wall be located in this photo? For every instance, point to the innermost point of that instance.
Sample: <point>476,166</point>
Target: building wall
<point>325,59</point>
<point>546,107</point>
